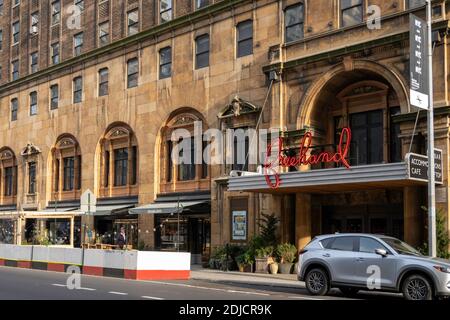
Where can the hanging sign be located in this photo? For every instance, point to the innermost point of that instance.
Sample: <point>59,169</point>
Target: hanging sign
<point>418,167</point>
<point>305,157</point>
<point>418,62</point>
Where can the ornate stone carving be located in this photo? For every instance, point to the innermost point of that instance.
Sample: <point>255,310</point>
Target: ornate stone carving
<point>238,107</point>
<point>30,150</point>
<point>6,155</point>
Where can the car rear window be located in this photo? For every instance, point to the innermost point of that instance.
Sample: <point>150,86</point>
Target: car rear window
<point>342,244</point>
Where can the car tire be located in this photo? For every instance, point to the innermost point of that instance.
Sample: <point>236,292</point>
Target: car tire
<point>349,291</point>
<point>417,287</point>
<point>317,282</point>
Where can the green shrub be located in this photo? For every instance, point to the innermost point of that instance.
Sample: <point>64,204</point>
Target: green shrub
<point>286,252</point>
<point>442,236</point>
<point>268,224</point>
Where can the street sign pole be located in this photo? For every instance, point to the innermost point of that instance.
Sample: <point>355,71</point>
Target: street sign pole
<point>431,175</point>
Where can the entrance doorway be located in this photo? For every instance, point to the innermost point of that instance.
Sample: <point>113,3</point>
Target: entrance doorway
<point>381,219</point>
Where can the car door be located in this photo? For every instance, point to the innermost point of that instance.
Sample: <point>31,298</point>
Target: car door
<point>340,255</point>
<point>372,269</point>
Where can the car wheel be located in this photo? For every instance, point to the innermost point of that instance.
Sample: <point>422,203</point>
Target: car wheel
<point>349,292</point>
<point>417,287</point>
<point>317,282</point>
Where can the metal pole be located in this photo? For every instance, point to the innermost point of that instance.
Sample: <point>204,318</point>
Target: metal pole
<point>431,176</point>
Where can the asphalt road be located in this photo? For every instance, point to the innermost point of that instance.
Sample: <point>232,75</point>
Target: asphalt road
<point>24,284</point>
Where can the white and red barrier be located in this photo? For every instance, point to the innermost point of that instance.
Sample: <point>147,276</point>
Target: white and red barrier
<point>137,265</point>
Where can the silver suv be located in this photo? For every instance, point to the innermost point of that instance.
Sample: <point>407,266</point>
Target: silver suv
<point>353,262</point>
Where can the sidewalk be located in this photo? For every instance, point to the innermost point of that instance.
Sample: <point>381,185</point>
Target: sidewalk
<point>278,280</point>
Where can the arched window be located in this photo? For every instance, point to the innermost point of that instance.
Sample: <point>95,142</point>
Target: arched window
<point>188,173</point>
<point>8,173</point>
<point>119,162</point>
<point>67,167</point>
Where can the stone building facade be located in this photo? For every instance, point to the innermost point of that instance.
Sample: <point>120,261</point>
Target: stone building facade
<point>99,115</point>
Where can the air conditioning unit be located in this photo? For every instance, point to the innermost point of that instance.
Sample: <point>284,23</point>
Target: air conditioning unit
<point>34,30</point>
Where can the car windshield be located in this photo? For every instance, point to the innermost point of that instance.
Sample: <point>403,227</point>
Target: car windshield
<point>401,247</point>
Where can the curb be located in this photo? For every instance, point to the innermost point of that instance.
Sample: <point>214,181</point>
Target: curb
<point>299,284</point>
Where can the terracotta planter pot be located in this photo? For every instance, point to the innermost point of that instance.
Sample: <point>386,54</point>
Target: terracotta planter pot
<point>286,268</point>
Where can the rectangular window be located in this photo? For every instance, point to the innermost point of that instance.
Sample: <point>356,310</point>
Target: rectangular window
<point>107,157</point>
<point>56,12</point>
<point>245,38</point>
<point>367,137</point>
<point>55,53</point>
<point>103,33</point>
<point>9,182</point>
<point>165,10</point>
<point>34,28</point>
<point>165,63</point>
<point>120,167</point>
<point>103,79</point>
<point>132,73</point>
<point>54,97</point>
<point>16,3</point>
<point>351,12</point>
<point>33,103</point>
<point>133,22</point>
<point>241,148</point>
<point>187,167</point>
<point>1,7</point>
<point>69,173</point>
<point>134,165</point>
<point>77,44</point>
<point>32,178</point>
<point>15,32</point>
<point>34,63</point>
<point>169,161</point>
<point>395,141</point>
<point>80,4</point>
<point>294,22</point>
<point>14,109</point>
<point>77,90</point>
<point>202,51</point>
<point>201,3</point>
<point>15,70</point>
<point>1,39</point>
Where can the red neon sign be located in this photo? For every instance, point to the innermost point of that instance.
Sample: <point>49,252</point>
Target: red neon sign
<point>303,158</point>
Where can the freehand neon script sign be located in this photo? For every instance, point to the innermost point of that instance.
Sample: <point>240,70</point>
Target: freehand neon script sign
<point>303,158</point>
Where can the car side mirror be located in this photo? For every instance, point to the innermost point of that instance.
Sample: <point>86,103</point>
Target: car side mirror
<point>381,252</point>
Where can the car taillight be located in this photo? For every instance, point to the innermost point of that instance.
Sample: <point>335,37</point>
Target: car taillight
<point>302,251</point>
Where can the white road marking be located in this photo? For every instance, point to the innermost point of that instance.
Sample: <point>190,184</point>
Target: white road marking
<point>152,298</point>
<point>305,298</point>
<point>118,293</point>
<point>212,289</point>
<point>65,286</point>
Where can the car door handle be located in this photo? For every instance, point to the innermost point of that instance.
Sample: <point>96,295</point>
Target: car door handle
<point>326,255</point>
<point>359,259</point>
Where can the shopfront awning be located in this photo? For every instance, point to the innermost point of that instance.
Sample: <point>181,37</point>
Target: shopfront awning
<point>166,207</point>
<point>67,209</point>
<point>376,176</point>
<point>109,210</point>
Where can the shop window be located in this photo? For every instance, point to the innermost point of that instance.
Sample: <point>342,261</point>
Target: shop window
<point>351,12</point>
<point>294,22</point>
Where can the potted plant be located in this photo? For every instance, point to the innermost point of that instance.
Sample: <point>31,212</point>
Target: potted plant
<point>245,262</point>
<point>287,253</point>
<point>273,267</point>
<point>264,257</point>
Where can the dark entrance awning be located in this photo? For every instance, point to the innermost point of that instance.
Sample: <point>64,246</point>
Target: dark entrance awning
<point>197,202</point>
